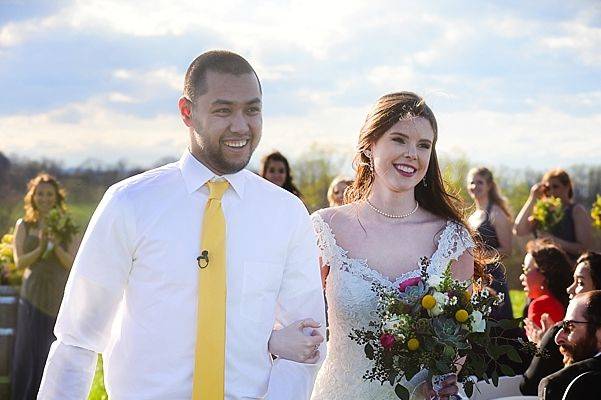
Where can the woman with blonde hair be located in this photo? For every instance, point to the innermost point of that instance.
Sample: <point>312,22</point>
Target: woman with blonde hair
<point>46,262</point>
<point>492,221</point>
<point>336,190</point>
<point>573,233</point>
<point>396,212</point>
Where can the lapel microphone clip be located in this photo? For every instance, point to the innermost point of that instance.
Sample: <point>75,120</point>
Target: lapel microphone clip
<point>203,259</point>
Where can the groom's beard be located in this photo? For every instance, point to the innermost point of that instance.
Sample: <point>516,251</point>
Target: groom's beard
<point>574,352</point>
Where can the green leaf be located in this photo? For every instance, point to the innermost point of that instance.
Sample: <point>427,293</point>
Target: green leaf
<point>514,356</point>
<point>401,392</point>
<point>369,351</point>
<point>507,324</point>
<point>468,386</point>
<point>495,378</point>
<point>507,370</point>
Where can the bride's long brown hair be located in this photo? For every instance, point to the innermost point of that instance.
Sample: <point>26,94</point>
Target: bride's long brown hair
<point>431,193</point>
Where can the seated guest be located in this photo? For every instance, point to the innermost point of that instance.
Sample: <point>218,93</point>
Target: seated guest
<point>579,341</point>
<point>546,276</point>
<point>587,277</point>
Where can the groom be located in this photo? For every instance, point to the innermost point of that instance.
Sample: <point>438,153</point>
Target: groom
<point>185,270</point>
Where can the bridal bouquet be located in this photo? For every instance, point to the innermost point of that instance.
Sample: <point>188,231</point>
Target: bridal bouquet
<point>596,213</point>
<point>547,212</point>
<point>434,323</point>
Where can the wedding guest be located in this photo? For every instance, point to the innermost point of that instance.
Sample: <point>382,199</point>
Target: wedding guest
<point>573,233</point>
<point>546,276</point>
<point>492,221</point>
<point>580,341</point>
<point>336,190</point>
<point>46,262</point>
<point>276,169</point>
<point>587,277</point>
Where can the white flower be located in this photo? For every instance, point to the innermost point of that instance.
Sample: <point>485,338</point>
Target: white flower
<point>441,299</point>
<point>501,297</point>
<point>453,300</point>
<point>434,280</point>
<point>478,323</point>
<point>401,338</point>
<point>485,293</point>
<point>391,324</point>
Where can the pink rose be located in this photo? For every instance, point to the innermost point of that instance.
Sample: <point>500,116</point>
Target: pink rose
<point>387,340</point>
<point>409,282</point>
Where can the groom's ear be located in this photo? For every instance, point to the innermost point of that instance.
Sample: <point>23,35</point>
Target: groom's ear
<point>185,110</point>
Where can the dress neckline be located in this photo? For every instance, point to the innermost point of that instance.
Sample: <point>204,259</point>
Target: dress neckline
<point>364,265</point>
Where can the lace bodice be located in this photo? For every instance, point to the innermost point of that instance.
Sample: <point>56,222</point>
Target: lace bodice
<point>352,304</point>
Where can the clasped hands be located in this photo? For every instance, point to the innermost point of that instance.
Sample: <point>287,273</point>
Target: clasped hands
<point>298,341</point>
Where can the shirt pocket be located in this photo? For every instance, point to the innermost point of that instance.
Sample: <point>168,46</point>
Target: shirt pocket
<point>260,288</point>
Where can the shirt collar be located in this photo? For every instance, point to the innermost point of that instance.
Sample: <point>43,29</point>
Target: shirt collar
<point>196,174</point>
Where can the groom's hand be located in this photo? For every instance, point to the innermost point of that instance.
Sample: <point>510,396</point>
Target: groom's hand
<point>298,342</point>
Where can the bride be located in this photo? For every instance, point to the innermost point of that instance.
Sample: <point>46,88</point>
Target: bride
<point>397,211</point>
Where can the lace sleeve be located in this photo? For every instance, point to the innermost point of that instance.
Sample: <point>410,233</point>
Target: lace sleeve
<point>454,241</point>
<point>325,242</point>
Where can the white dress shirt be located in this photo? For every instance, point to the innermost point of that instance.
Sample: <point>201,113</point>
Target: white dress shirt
<point>133,292</point>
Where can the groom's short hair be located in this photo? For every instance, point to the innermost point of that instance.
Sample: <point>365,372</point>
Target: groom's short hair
<point>221,61</point>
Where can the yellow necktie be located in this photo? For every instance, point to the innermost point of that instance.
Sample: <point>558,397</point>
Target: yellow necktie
<point>209,364</point>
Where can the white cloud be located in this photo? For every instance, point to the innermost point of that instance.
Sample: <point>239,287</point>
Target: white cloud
<point>97,132</point>
<point>575,36</point>
<point>166,77</point>
<point>541,138</point>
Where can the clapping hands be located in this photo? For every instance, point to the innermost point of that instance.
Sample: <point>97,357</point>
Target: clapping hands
<point>535,333</point>
<point>298,341</point>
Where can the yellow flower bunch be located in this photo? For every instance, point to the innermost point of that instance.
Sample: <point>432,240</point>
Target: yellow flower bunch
<point>596,213</point>
<point>547,212</point>
<point>9,274</point>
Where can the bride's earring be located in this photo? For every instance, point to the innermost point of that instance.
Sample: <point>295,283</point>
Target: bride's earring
<point>424,182</point>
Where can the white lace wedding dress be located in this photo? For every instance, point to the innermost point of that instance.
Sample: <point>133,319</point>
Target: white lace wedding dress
<point>352,304</point>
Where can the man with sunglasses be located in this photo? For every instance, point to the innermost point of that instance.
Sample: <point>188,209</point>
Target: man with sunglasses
<point>579,340</point>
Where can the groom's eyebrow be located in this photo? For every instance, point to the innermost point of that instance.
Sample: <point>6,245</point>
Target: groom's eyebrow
<point>229,102</point>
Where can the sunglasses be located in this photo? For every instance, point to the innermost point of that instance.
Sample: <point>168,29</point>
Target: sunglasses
<point>568,325</point>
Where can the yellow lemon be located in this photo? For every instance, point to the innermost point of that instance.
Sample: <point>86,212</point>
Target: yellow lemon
<point>461,315</point>
<point>8,238</point>
<point>428,302</point>
<point>413,344</point>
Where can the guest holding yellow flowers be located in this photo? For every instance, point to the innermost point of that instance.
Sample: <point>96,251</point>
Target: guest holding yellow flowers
<point>573,232</point>
<point>46,257</point>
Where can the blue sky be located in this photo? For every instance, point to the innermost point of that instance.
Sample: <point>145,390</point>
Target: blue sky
<point>512,83</point>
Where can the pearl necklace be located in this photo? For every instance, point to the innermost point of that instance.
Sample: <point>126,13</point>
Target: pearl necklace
<point>376,209</point>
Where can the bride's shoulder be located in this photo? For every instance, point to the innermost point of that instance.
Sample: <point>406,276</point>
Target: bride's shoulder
<point>335,217</point>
